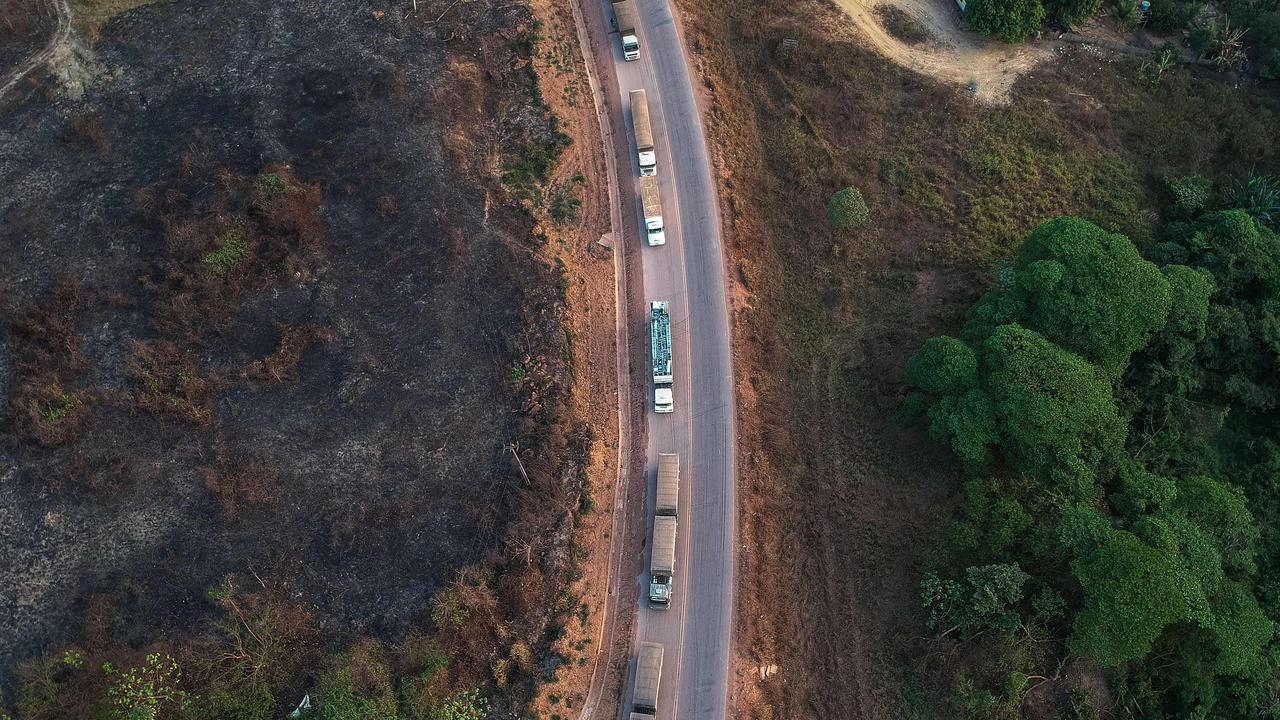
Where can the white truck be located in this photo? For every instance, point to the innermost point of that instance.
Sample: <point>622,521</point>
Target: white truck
<point>647,158</point>
<point>660,346</point>
<point>644,697</point>
<point>662,561</point>
<point>652,206</point>
<point>627,20</point>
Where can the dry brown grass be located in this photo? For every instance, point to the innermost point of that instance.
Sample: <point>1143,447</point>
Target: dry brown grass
<point>242,486</point>
<point>171,382</point>
<point>48,408</point>
<point>281,366</point>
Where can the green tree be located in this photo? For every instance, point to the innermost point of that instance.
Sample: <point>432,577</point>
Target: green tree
<point>847,209</point>
<point>1073,12</point>
<point>1012,21</point>
<point>944,366</point>
<point>1223,513</point>
<point>1054,410</point>
<point>1090,291</point>
<point>1131,595</point>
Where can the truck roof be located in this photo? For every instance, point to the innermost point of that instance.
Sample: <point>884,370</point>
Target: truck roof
<point>640,119</point>
<point>663,559</point>
<point>668,484</point>
<point>660,341</point>
<point>648,674</point>
<point>649,196</point>
<point>628,18</point>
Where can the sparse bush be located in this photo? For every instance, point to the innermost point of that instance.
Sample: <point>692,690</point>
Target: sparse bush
<point>171,383</point>
<point>447,609</point>
<point>847,209</point>
<point>148,692</point>
<point>564,207</point>
<point>465,705</point>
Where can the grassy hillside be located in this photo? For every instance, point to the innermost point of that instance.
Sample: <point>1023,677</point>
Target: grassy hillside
<point>845,507</point>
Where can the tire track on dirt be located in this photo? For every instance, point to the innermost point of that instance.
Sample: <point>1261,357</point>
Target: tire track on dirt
<point>61,36</point>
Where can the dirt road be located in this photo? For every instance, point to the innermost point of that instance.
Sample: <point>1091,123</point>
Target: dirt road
<point>953,53</point>
<point>61,35</point>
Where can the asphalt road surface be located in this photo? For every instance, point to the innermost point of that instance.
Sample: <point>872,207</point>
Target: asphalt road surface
<point>688,271</point>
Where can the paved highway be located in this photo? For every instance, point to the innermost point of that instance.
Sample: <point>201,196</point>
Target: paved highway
<point>689,273</point>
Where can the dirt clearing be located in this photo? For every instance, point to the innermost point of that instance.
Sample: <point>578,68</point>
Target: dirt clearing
<point>948,51</point>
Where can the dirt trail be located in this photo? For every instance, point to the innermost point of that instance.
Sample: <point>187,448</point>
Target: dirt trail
<point>953,54</point>
<point>59,39</point>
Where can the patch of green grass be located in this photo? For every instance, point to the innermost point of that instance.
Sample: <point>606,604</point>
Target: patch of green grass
<point>269,186</point>
<point>63,407</point>
<point>231,251</point>
<point>1025,173</point>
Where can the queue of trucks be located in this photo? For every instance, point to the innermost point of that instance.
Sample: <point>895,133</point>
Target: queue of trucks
<point>662,566</point>
<point>662,558</point>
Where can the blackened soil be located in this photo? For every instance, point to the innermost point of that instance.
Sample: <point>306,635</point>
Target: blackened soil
<point>388,448</point>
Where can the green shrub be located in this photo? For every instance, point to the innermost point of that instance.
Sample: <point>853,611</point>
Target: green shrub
<point>1012,21</point>
<point>141,693</point>
<point>847,209</point>
<point>1188,195</point>
<point>269,186</point>
<point>465,705</point>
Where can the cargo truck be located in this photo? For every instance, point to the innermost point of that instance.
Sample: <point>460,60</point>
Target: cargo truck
<point>644,133</point>
<point>662,561</point>
<point>652,205</point>
<point>644,698</point>
<point>660,346</point>
<point>627,20</point>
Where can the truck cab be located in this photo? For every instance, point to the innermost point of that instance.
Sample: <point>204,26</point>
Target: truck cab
<point>630,46</point>
<point>660,592</point>
<point>663,400</point>
<point>655,232</point>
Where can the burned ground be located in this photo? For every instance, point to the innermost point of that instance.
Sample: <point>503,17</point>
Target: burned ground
<point>328,403</point>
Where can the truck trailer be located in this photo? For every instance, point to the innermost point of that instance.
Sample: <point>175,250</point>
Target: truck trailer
<point>627,20</point>
<point>668,484</point>
<point>644,698</point>
<point>652,205</point>
<point>643,132</point>
<point>662,562</point>
<point>660,351</point>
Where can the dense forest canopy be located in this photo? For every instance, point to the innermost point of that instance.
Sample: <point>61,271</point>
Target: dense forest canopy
<point>1117,411</point>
